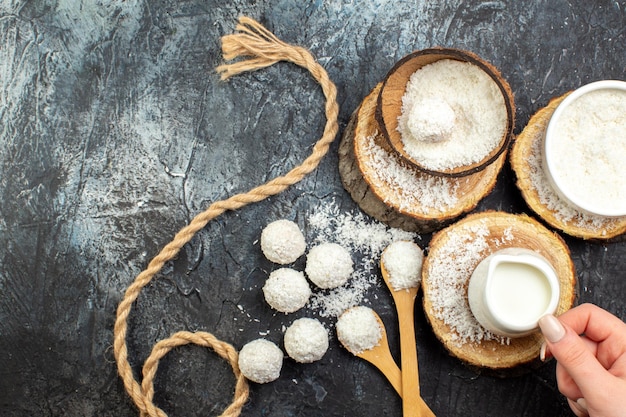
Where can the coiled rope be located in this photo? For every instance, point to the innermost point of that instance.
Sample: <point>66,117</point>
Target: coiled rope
<point>262,49</point>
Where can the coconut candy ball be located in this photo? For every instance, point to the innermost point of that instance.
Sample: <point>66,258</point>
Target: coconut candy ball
<point>329,265</point>
<point>282,242</point>
<point>306,340</point>
<point>261,361</point>
<point>286,290</point>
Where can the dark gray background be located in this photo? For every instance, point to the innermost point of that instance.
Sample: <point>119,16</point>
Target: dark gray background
<point>115,131</point>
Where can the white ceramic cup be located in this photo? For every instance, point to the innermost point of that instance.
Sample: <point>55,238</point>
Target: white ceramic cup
<point>569,184</point>
<point>511,289</point>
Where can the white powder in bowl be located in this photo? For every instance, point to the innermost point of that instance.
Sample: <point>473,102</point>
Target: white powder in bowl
<point>588,149</point>
<point>403,261</point>
<point>358,329</point>
<point>431,120</point>
<point>286,290</point>
<point>282,242</point>
<point>306,340</point>
<point>261,361</point>
<point>548,196</point>
<point>329,265</point>
<point>479,113</point>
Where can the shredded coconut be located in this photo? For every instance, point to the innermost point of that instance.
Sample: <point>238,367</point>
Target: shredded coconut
<point>358,329</point>
<point>551,200</point>
<point>403,261</point>
<point>282,242</point>
<point>431,120</point>
<point>329,265</point>
<point>360,235</point>
<point>411,189</point>
<point>306,340</point>
<point>286,290</point>
<point>590,148</point>
<point>479,111</point>
<point>261,361</point>
<point>448,276</point>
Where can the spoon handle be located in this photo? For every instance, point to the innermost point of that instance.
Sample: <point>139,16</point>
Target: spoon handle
<point>412,403</point>
<point>382,359</point>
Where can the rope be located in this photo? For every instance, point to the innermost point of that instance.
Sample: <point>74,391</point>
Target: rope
<point>262,48</point>
<point>224,350</point>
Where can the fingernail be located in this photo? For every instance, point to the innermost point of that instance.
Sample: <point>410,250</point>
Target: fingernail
<point>544,353</point>
<point>551,328</point>
<point>582,403</point>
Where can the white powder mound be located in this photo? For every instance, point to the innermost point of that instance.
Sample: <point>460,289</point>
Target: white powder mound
<point>431,120</point>
<point>403,262</point>
<point>358,329</point>
<point>590,147</point>
<point>360,235</point>
<point>549,198</point>
<point>448,275</point>
<point>410,190</point>
<point>479,111</point>
<point>329,265</point>
<point>282,242</point>
<point>306,340</point>
<point>286,290</point>
<point>261,361</point>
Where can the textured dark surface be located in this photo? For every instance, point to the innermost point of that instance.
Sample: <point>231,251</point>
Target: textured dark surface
<point>115,131</point>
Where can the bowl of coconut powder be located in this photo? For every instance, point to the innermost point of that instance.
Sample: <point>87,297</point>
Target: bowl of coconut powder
<point>446,111</point>
<point>585,149</point>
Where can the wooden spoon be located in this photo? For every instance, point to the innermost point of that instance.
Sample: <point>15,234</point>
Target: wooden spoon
<point>381,358</point>
<point>412,403</point>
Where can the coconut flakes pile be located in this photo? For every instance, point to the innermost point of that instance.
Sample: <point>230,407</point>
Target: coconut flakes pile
<point>448,275</point>
<point>361,236</point>
<point>427,191</point>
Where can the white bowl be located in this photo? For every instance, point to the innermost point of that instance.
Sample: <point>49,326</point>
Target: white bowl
<point>511,289</point>
<point>587,168</point>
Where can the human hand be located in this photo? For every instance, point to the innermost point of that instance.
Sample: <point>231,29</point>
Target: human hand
<point>591,368</point>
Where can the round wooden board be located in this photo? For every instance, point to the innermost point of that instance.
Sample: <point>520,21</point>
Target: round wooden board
<point>539,195</point>
<point>377,196</point>
<point>499,230</point>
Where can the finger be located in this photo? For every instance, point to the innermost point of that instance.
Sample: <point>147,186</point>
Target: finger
<point>618,368</point>
<point>601,326</point>
<point>612,356</point>
<point>545,353</point>
<point>567,386</point>
<point>577,408</point>
<point>572,354</point>
<point>595,323</point>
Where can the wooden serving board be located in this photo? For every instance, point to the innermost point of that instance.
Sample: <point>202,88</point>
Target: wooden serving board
<point>379,197</point>
<point>494,231</point>
<point>542,199</point>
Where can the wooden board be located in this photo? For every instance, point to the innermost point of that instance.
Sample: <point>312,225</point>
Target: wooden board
<point>381,199</point>
<point>499,230</point>
<point>542,199</point>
